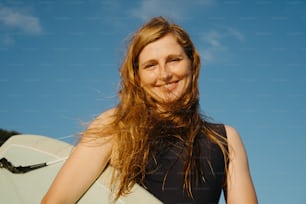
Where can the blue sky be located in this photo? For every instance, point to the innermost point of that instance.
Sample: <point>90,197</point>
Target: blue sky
<point>59,68</point>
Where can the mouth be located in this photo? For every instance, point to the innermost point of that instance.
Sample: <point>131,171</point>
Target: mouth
<point>170,86</point>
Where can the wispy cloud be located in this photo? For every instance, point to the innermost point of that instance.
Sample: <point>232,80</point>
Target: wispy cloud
<point>171,9</point>
<point>15,19</point>
<point>215,42</point>
<point>235,33</point>
<point>212,45</point>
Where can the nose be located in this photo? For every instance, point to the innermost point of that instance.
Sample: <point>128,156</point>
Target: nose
<point>165,73</point>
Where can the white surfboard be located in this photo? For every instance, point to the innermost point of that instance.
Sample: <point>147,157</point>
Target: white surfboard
<point>29,188</point>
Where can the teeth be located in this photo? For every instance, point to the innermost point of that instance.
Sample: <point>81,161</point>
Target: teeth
<point>169,85</point>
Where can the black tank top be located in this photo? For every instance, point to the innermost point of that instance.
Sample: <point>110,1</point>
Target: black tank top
<point>166,181</point>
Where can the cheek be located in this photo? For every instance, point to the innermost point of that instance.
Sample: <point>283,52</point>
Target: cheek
<point>189,74</point>
<point>147,77</point>
<point>187,71</point>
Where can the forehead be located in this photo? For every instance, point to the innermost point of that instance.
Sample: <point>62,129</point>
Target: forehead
<point>162,47</point>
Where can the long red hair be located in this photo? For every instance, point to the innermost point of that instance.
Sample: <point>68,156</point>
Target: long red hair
<point>137,123</point>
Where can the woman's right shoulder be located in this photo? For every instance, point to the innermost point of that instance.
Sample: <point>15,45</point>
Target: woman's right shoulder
<point>103,119</point>
<point>98,129</point>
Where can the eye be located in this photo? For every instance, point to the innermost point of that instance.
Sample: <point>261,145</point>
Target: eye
<point>175,59</point>
<point>150,65</point>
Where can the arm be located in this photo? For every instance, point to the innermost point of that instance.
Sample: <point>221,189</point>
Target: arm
<point>83,167</point>
<point>240,188</point>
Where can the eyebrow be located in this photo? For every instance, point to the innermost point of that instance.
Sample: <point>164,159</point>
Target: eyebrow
<point>174,56</point>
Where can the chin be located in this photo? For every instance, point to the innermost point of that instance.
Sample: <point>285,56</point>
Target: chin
<point>167,100</point>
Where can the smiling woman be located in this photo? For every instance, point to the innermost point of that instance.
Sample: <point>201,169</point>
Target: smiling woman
<point>156,136</point>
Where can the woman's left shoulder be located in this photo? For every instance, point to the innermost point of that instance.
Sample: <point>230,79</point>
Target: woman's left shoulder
<point>239,182</point>
<point>232,134</point>
<point>230,129</point>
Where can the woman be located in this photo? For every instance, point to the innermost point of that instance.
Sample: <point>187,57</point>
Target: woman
<point>156,136</point>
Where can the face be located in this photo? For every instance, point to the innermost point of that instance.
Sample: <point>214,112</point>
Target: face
<point>164,69</point>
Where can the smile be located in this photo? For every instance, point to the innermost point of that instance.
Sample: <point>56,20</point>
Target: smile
<point>170,86</point>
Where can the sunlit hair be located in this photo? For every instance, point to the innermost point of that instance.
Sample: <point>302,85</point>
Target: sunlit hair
<point>139,125</point>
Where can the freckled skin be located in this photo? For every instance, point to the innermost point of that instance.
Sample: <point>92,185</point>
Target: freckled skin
<point>164,69</point>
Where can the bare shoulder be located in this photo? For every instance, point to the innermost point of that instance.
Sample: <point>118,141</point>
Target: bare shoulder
<point>93,152</point>
<point>97,131</point>
<point>231,131</point>
<point>233,137</point>
<point>105,118</point>
<point>237,150</point>
<point>239,182</point>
